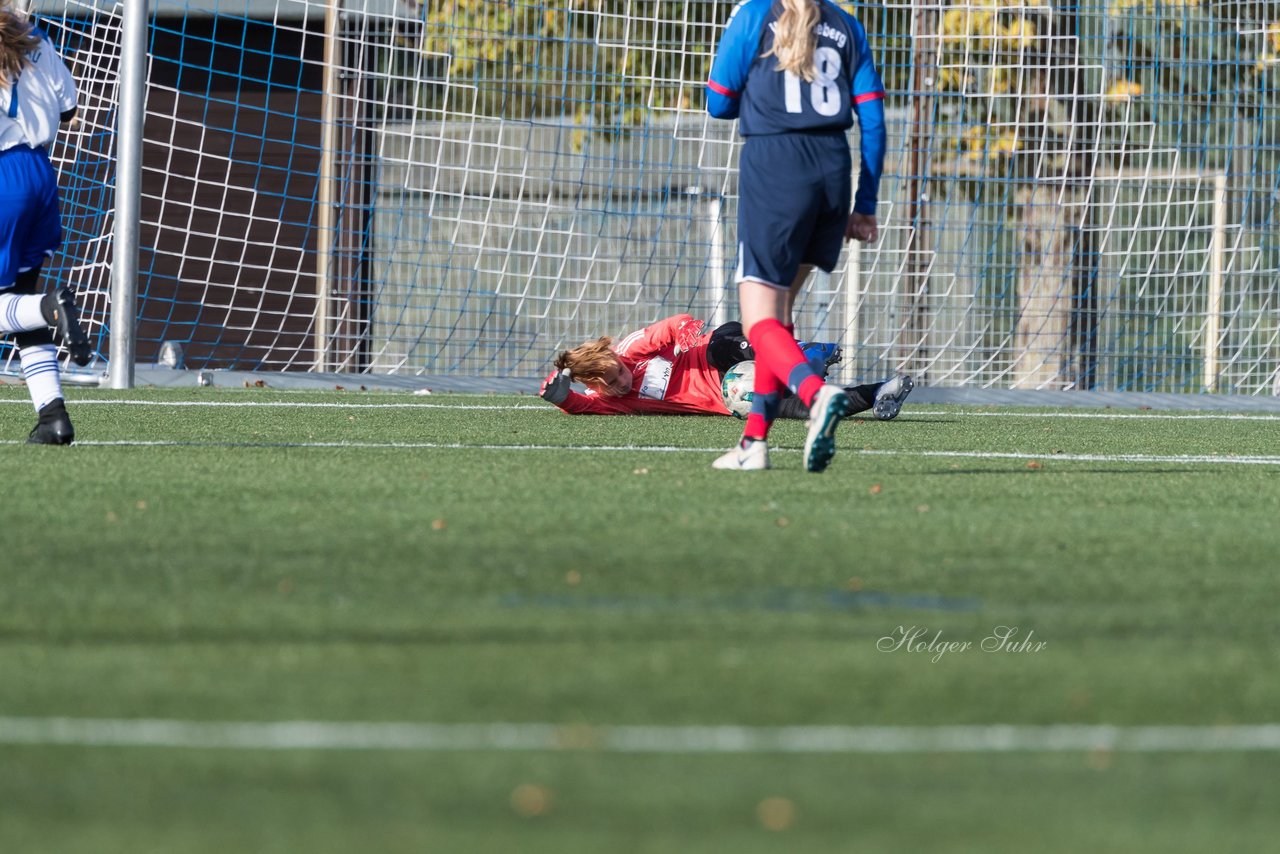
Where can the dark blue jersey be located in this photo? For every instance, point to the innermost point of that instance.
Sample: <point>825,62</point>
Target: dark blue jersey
<point>749,86</point>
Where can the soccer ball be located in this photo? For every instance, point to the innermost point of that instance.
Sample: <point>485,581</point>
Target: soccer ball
<point>736,388</point>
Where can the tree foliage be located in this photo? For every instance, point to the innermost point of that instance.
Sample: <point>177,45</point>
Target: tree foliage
<point>1020,89</point>
<point>1033,90</point>
<point>607,62</point>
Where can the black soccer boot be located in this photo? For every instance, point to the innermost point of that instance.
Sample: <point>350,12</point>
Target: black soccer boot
<point>60,312</point>
<point>54,426</point>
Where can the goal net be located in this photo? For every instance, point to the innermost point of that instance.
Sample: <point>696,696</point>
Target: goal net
<point>1076,196</point>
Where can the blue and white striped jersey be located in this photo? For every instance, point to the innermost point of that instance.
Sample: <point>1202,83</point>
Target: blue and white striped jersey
<point>33,103</point>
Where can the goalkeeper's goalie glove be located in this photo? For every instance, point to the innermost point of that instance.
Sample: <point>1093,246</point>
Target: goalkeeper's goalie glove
<point>687,335</point>
<point>555,388</point>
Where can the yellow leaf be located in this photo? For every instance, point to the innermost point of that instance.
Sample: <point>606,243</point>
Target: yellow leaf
<point>1123,91</point>
<point>1019,34</point>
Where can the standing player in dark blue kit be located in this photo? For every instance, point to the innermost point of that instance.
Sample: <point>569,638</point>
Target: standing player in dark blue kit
<point>795,73</point>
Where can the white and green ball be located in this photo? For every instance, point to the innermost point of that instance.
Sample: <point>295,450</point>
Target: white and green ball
<point>736,389</point>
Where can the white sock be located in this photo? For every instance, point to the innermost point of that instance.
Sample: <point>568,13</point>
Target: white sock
<point>21,313</point>
<point>40,369</point>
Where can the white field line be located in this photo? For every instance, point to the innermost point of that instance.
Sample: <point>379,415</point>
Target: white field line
<point>512,737</point>
<point>1187,459</point>
<point>1085,458</point>
<point>540,407</point>
<point>1145,416</point>
<point>294,404</point>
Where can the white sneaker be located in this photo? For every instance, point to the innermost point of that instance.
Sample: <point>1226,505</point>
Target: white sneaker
<point>889,397</point>
<point>828,407</point>
<point>747,455</point>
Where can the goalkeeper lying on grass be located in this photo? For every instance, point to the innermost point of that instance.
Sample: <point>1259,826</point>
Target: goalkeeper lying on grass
<point>673,368</point>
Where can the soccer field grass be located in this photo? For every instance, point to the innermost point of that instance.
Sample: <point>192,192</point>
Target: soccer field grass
<point>682,659</point>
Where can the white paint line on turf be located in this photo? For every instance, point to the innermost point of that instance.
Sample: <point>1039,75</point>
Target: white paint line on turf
<point>1177,459</point>
<point>1144,416</point>
<point>295,404</point>
<point>514,737</point>
<point>1085,458</point>
<point>539,407</point>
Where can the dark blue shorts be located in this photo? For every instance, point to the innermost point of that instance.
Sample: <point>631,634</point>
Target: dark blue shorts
<point>30,227</point>
<point>795,192</point>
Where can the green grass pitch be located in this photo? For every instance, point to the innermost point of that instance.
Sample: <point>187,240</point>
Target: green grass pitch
<point>365,559</point>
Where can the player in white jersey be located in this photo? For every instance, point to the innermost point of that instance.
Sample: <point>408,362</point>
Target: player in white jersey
<point>37,93</point>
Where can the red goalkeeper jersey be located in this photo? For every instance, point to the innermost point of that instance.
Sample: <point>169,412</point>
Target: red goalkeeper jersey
<point>670,374</point>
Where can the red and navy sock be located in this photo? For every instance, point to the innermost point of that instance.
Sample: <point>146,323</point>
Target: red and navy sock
<point>778,351</point>
<point>766,396</point>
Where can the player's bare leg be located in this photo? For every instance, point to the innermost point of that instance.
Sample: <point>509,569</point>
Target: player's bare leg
<point>766,319</point>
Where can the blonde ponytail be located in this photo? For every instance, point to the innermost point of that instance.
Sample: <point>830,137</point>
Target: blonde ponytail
<point>17,40</point>
<point>793,39</point>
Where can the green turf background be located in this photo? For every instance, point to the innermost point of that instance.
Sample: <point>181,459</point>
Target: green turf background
<point>229,575</point>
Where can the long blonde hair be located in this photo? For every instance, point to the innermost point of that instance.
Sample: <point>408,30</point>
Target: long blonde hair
<point>793,38</point>
<point>588,362</point>
<point>17,40</point>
